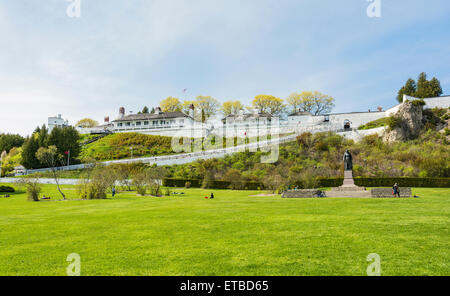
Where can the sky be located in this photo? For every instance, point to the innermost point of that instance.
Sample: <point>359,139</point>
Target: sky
<point>135,53</point>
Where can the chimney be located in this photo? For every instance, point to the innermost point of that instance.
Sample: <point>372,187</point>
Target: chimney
<point>191,110</point>
<point>121,112</point>
<point>59,116</point>
<point>106,119</point>
<point>158,110</point>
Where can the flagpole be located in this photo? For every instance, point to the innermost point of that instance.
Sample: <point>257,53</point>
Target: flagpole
<point>68,159</point>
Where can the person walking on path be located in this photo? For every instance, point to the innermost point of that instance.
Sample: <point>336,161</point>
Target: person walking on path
<point>113,191</point>
<point>396,190</point>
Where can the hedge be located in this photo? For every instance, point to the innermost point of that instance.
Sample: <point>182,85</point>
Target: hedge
<point>216,184</point>
<point>6,189</point>
<point>219,184</point>
<point>325,182</point>
<point>403,182</point>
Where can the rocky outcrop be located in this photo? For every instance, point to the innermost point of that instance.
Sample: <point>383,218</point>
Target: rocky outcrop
<point>406,123</point>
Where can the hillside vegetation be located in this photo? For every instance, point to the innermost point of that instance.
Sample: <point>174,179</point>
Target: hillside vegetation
<point>117,146</point>
<point>320,155</point>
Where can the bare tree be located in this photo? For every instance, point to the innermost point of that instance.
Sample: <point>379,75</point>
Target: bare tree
<point>51,158</point>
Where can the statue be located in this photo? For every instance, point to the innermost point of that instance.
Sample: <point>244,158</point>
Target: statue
<point>348,164</point>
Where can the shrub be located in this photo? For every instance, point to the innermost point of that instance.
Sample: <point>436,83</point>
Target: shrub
<point>32,186</point>
<point>187,184</point>
<point>6,189</point>
<point>418,102</point>
<point>394,122</point>
<point>167,192</point>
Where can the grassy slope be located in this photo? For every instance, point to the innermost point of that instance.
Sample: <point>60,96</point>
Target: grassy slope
<point>117,146</point>
<point>232,235</point>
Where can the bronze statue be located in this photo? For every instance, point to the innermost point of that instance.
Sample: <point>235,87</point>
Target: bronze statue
<point>348,163</point>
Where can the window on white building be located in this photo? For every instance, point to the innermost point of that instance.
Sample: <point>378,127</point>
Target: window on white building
<point>146,122</point>
<point>138,123</point>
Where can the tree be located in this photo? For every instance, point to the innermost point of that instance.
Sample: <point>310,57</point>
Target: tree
<point>42,136</point>
<point>208,107</point>
<point>268,104</point>
<point>52,159</point>
<point>294,100</point>
<point>86,123</point>
<point>422,89</point>
<point>145,110</point>
<point>232,108</point>
<point>66,139</point>
<point>408,89</point>
<point>235,178</point>
<point>9,141</point>
<point>316,103</point>
<point>435,87</point>
<point>29,149</point>
<point>185,107</point>
<point>170,104</point>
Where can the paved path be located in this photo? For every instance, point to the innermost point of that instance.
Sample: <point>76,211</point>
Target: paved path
<point>43,181</point>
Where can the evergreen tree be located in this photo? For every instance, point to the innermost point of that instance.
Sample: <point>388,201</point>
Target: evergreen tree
<point>423,86</point>
<point>408,89</point>
<point>435,87</point>
<point>9,141</point>
<point>422,89</point>
<point>145,110</point>
<point>42,136</point>
<point>65,139</point>
<point>29,149</point>
<point>153,110</point>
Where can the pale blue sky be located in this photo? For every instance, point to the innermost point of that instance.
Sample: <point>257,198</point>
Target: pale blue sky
<point>137,52</point>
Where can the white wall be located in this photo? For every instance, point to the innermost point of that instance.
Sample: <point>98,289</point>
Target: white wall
<point>440,102</point>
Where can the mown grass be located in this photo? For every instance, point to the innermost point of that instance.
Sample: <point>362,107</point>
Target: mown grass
<point>234,234</point>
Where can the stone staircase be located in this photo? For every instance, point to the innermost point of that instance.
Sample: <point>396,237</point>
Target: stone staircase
<point>348,189</point>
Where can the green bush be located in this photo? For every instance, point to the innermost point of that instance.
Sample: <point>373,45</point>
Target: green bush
<point>6,189</point>
<point>418,102</point>
<point>394,122</point>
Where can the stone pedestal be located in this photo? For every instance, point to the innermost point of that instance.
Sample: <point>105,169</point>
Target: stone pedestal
<point>348,179</point>
<point>348,189</point>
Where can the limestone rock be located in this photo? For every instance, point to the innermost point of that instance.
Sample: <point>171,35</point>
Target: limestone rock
<point>410,123</point>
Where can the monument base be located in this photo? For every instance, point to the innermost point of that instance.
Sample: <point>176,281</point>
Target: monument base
<point>348,189</point>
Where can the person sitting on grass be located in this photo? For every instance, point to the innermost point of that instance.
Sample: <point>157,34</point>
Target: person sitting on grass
<point>212,196</point>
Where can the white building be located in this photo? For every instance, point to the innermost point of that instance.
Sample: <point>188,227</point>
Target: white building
<point>56,121</point>
<point>153,124</point>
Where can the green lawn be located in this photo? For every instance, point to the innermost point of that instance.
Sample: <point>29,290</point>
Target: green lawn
<point>235,234</point>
